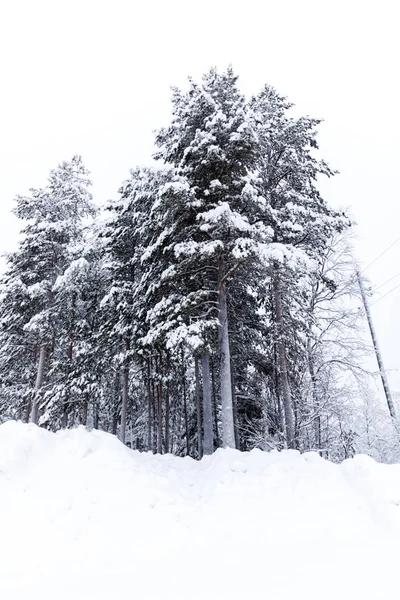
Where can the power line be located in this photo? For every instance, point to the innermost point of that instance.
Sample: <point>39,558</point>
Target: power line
<point>356,277</point>
<point>387,294</point>
<point>353,277</point>
<point>381,254</point>
<point>386,282</point>
<point>373,291</point>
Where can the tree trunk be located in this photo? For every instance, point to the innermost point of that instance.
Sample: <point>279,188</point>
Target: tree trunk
<point>116,393</point>
<point>159,409</point>
<point>277,392</point>
<point>208,440</point>
<point>175,425</point>
<point>234,404</point>
<point>185,411</point>
<point>29,403</point>
<point>38,385</point>
<point>66,403</point>
<point>64,418</point>
<point>228,428</point>
<point>198,408</point>
<point>70,348</point>
<point>125,390</point>
<point>167,415</point>
<point>215,408</point>
<point>95,415</point>
<point>149,403</point>
<point>316,403</point>
<point>154,416</point>
<point>28,410</point>
<point>85,408</point>
<point>296,413</point>
<point>283,371</point>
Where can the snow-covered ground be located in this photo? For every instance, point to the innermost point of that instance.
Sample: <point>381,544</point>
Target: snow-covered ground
<point>83,517</point>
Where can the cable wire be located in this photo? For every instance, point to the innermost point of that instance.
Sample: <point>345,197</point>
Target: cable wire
<point>386,282</point>
<point>387,294</point>
<point>381,254</point>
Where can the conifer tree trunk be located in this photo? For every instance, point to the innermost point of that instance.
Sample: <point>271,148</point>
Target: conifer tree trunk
<point>234,404</point>
<point>28,410</point>
<point>95,415</point>
<point>149,403</point>
<point>114,422</point>
<point>228,428</point>
<point>85,408</point>
<point>29,403</point>
<point>167,417</point>
<point>208,440</point>
<point>175,425</point>
<point>124,406</point>
<point>38,384</point>
<point>115,394</point>
<point>125,390</point>
<point>198,408</point>
<point>214,402</point>
<point>154,416</point>
<point>66,404</point>
<point>277,394</point>
<point>283,370</point>
<point>159,408</point>
<point>185,412</point>
<point>296,413</point>
<point>70,349</point>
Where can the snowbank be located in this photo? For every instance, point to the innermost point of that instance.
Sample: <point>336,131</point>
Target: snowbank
<point>83,517</point>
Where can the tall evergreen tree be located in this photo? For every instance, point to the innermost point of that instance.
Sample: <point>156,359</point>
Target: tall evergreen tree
<point>301,221</point>
<point>212,143</point>
<point>50,239</point>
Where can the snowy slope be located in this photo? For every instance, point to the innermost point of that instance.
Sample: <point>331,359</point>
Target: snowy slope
<point>83,517</point>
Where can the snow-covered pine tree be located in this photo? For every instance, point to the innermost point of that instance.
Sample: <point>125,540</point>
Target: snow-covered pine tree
<point>171,308</point>
<point>80,373</point>
<point>18,351</point>
<point>123,306</point>
<point>54,228</point>
<point>302,222</point>
<point>212,143</point>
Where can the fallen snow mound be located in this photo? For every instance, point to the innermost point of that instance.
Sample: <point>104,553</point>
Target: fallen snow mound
<point>82,517</point>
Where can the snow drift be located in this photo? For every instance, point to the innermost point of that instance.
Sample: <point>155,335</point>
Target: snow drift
<point>82,517</point>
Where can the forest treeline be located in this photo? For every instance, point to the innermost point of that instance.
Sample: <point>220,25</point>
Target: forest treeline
<point>209,305</point>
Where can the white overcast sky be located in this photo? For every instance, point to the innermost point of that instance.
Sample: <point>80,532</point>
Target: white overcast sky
<point>93,77</point>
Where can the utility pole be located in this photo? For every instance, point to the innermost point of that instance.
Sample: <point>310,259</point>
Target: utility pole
<point>376,348</point>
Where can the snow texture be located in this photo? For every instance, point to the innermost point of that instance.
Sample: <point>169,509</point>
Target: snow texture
<point>83,517</point>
